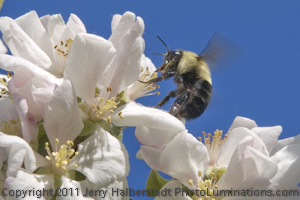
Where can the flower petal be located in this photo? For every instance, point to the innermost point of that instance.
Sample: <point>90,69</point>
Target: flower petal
<point>21,45</point>
<point>29,125</point>
<point>138,115</point>
<point>269,135</point>
<point>24,181</point>
<point>12,63</point>
<point>172,187</point>
<point>62,117</point>
<point>185,148</point>
<point>72,190</point>
<point>130,46</point>
<point>288,161</point>
<point>242,122</point>
<point>285,142</point>
<point>75,24</point>
<point>87,63</point>
<point>102,158</point>
<point>19,152</point>
<point>32,26</point>
<point>247,162</point>
<point>233,141</point>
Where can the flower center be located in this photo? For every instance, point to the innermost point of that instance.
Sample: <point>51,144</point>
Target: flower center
<point>213,144</point>
<point>63,48</point>
<point>12,127</point>
<point>60,159</point>
<point>4,91</point>
<point>141,87</point>
<point>210,179</point>
<point>102,109</point>
<point>208,184</point>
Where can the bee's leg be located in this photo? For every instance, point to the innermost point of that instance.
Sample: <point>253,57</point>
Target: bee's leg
<point>166,99</point>
<point>165,75</point>
<point>178,103</point>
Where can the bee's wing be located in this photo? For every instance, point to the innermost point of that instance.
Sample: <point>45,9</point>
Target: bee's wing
<point>219,51</point>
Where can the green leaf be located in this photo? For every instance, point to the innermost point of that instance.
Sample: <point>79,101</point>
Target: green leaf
<point>155,182</point>
<point>42,139</point>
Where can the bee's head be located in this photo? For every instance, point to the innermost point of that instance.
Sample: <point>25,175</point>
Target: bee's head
<point>171,58</point>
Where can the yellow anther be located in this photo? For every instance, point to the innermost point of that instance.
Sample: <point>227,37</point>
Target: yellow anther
<point>120,115</point>
<point>109,119</point>
<point>108,89</point>
<point>158,93</point>
<point>199,173</point>
<point>191,182</point>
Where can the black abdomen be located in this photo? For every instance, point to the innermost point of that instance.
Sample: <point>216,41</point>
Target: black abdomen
<point>198,98</point>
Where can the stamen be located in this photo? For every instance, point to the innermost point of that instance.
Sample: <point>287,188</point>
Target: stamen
<point>120,115</point>
<point>61,159</point>
<point>12,127</point>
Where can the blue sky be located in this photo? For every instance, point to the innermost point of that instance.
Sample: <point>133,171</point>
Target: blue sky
<point>262,83</point>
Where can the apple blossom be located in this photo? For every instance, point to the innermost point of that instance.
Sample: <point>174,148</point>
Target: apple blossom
<point>241,160</point>
<point>100,161</point>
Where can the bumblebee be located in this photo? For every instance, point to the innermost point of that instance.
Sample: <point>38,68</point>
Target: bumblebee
<point>192,75</point>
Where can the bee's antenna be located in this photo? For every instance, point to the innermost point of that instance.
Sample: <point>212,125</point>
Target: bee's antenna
<point>163,43</point>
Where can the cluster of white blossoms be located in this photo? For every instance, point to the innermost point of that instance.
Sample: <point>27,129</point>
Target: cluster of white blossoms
<point>68,96</point>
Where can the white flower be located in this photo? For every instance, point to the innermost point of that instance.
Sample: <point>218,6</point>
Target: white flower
<point>39,48</point>
<point>114,66</point>
<point>44,41</point>
<point>99,69</point>
<point>241,161</point>
<point>101,159</point>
